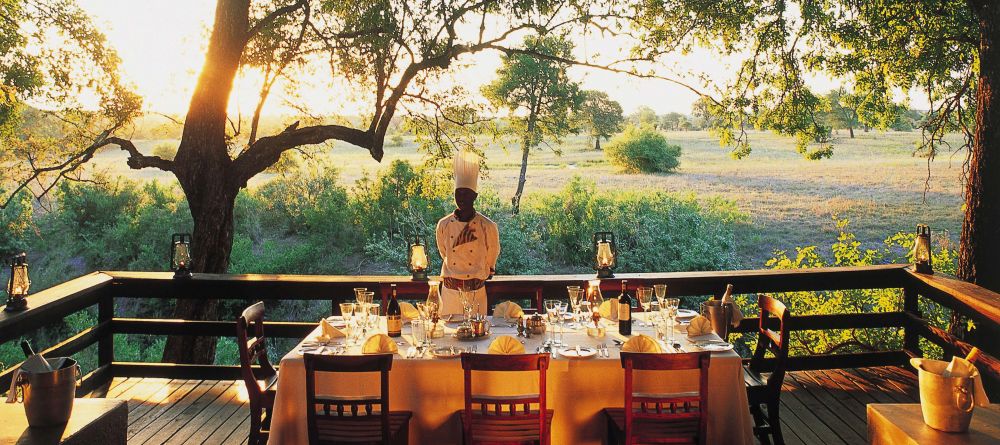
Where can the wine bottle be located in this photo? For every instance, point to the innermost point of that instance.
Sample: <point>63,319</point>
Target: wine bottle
<point>624,312</point>
<point>393,316</point>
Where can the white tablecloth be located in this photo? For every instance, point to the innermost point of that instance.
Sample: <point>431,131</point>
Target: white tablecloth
<point>577,390</point>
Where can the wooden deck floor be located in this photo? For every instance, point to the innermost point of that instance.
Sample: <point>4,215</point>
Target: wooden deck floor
<point>818,407</point>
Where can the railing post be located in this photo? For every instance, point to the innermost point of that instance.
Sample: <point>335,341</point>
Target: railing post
<point>106,344</point>
<point>911,337</point>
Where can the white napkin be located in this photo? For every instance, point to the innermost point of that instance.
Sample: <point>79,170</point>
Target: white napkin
<point>737,313</point>
<point>960,367</point>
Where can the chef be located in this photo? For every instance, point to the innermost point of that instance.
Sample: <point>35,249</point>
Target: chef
<point>469,243</point>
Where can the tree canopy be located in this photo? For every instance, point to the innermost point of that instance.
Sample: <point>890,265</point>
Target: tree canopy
<point>601,115</point>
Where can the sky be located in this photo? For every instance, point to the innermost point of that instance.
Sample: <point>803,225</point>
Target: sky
<point>161,44</point>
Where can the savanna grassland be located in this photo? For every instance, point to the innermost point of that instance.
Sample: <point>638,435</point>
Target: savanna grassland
<point>873,180</point>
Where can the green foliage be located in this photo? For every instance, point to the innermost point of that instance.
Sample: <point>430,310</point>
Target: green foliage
<point>601,115</point>
<point>644,117</point>
<point>643,150</point>
<point>841,110</point>
<point>848,251</point>
<point>656,232</point>
<point>15,224</point>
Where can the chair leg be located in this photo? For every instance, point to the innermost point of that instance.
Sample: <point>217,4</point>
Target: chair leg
<point>255,415</point>
<point>772,418</point>
<point>759,429</point>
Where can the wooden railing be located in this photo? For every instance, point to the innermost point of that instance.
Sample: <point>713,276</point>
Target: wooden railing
<point>104,289</point>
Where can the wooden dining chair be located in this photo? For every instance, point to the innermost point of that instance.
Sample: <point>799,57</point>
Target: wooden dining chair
<point>766,392</point>
<point>518,419</point>
<point>338,420</point>
<point>661,418</point>
<point>261,382</point>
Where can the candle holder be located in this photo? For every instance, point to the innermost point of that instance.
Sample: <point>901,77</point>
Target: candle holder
<point>922,250</point>
<point>605,254</point>
<point>17,286</point>
<point>180,255</point>
<point>417,263</point>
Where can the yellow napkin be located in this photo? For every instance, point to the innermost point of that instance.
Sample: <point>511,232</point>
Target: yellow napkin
<point>328,331</point>
<point>699,326</point>
<point>642,343</point>
<point>379,344</point>
<point>408,311</point>
<point>506,344</point>
<point>508,310</point>
<point>609,310</point>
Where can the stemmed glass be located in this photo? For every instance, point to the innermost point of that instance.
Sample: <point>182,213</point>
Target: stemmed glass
<point>373,317</point>
<point>672,304</point>
<point>552,314</point>
<point>561,309</point>
<point>575,296</point>
<point>661,293</point>
<point>645,296</point>
<point>466,298</point>
<point>424,320</point>
<point>347,311</point>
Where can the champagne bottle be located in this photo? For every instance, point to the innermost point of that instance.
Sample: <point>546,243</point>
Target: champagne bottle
<point>393,316</point>
<point>624,312</point>
<point>26,348</point>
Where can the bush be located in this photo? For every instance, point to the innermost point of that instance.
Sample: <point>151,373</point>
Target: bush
<point>643,150</point>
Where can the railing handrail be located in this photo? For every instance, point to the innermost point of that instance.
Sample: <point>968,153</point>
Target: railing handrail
<point>102,288</point>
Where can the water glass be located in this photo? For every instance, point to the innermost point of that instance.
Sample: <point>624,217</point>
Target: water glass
<point>661,292</point>
<point>551,313</point>
<point>562,308</point>
<point>347,314</point>
<point>418,329</point>
<point>672,305</point>
<point>645,297</point>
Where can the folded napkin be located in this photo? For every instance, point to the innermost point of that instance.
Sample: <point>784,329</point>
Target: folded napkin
<point>699,326</point>
<point>379,344</point>
<point>609,310</point>
<point>506,344</point>
<point>737,313</point>
<point>408,311</point>
<point>960,367</point>
<point>508,310</point>
<point>642,343</point>
<point>328,331</point>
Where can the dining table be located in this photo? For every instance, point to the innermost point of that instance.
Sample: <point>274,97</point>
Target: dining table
<point>578,387</point>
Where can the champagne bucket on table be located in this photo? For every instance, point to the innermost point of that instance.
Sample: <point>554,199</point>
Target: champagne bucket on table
<point>48,396</point>
<point>946,402</point>
<point>720,314</point>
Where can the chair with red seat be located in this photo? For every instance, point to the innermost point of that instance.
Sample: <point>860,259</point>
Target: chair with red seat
<point>261,382</point>
<point>519,419</point>
<point>661,418</point>
<point>766,392</point>
<point>336,419</point>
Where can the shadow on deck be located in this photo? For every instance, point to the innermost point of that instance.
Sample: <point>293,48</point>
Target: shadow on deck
<point>818,407</point>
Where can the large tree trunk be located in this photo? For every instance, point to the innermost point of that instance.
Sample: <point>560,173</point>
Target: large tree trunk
<point>597,143</point>
<point>203,168</point>
<point>979,256</point>
<point>851,130</point>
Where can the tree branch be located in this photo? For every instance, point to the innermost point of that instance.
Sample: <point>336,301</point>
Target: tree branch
<point>271,17</point>
<point>267,150</point>
<point>137,160</point>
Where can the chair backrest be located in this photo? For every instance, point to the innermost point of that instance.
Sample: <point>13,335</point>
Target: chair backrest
<point>665,407</point>
<point>346,408</point>
<point>769,340</point>
<point>512,408</point>
<point>253,350</point>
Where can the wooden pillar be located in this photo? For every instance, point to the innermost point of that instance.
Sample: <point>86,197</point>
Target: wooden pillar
<point>911,337</point>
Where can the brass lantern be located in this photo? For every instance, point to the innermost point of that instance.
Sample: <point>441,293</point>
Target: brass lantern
<point>922,250</point>
<point>17,286</point>
<point>180,255</point>
<point>418,263</point>
<point>605,253</point>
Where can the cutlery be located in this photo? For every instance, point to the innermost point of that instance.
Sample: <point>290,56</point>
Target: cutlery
<point>678,347</point>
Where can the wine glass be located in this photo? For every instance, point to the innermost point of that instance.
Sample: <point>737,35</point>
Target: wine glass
<point>374,319</point>
<point>661,292</point>
<point>347,314</point>
<point>561,310</point>
<point>552,314</point>
<point>671,307</point>
<point>466,298</point>
<point>645,296</point>
<point>575,296</point>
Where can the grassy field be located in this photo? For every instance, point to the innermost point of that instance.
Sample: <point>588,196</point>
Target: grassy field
<point>872,180</point>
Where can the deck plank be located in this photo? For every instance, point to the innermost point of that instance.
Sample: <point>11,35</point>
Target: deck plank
<point>817,407</point>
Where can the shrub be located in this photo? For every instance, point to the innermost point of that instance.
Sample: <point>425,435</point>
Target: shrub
<point>643,150</point>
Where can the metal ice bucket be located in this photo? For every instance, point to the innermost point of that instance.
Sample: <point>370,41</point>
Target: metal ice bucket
<point>48,396</point>
<point>720,314</point>
<point>946,402</point>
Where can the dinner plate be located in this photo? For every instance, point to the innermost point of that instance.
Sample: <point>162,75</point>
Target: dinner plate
<point>686,313</point>
<point>336,322</point>
<point>447,352</point>
<point>715,347</point>
<point>585,352</point>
